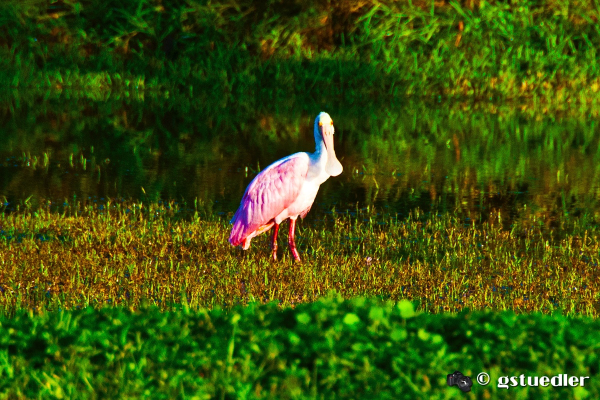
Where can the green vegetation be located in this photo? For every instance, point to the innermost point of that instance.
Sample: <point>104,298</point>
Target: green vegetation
<point>493,104</point>
<point>542,53</point>
<point>330,349</point>
<point>128,253</point>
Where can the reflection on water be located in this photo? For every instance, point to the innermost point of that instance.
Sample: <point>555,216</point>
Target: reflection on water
<point>396,157</point>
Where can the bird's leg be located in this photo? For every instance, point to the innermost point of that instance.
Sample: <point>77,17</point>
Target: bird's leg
<point>291,241</point>
<point>274,242</point>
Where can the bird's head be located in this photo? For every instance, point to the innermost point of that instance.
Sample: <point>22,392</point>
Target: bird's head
<point>324,132</point>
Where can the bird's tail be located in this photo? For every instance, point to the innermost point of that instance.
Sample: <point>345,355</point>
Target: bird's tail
<point>237,231</point>
<point>242,232</point>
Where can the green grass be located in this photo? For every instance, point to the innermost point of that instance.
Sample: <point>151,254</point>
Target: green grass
<point>539,53</point>
<point>129,253</point>
<point>538,57</point>
<point>329,349</point>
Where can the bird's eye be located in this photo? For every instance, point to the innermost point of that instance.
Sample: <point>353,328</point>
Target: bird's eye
<point>331,122</point>
<point>320,123</point>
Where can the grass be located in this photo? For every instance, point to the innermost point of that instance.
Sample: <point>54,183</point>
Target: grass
<point>329,349</point>
<point>129,253</point>
<point>538,53</point>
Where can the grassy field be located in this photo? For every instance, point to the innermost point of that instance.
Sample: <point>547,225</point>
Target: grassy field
<point>129,253</point>
<point>70,270</point>
<point>538,53</point>
<point>329,349</point>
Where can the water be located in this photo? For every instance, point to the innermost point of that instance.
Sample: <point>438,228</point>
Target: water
<point>479,160</point>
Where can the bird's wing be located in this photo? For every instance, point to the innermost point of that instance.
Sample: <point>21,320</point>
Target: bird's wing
<point>269,193</point>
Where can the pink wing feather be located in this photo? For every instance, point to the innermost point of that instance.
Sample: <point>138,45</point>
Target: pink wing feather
<point>269,193</point>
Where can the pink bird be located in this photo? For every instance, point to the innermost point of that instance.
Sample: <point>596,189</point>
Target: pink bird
<point>286,189</point>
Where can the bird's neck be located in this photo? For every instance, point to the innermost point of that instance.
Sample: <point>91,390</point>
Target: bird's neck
<point>320,150</point>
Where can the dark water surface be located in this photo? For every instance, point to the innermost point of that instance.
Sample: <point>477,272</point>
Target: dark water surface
<point>476,159</point>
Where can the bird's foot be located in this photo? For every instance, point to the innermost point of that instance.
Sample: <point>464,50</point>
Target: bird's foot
<point>296,255</point>
<point>274,250</point>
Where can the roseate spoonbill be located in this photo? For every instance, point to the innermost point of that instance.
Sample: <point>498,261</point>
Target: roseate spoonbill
<point>286,189</point>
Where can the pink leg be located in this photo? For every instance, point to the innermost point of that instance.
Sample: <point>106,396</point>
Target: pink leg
<point>274,242</point>
<point>291,241</point>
